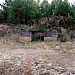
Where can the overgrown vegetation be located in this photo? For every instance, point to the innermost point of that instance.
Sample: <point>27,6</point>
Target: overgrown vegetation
<point>63,35</point>
<point>44,15</point>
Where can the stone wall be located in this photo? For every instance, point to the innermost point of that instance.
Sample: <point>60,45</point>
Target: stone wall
<point>25,36</point>
<point>28,36</point>
<point>51,35</point>
<point>25,39</point>
<point>50,38</point>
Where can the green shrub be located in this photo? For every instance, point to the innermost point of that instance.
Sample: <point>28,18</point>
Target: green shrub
<point>63,35</point>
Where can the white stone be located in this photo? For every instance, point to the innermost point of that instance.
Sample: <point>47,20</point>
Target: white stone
<point>49,64</point>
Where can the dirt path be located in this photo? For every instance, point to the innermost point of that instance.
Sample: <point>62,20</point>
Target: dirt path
<point>36,62</point>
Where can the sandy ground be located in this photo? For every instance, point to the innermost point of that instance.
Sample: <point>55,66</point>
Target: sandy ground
<point>20,61</point>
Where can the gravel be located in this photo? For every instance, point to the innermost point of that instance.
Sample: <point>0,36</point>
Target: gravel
<point>35,62</point>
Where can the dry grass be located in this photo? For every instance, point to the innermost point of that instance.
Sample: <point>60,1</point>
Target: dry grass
<point>11,41</point>
<point>67,47</point>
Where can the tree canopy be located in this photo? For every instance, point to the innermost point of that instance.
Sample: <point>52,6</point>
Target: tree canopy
<point>18,11</point>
